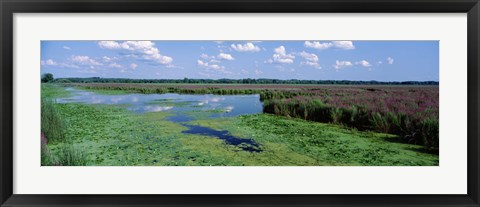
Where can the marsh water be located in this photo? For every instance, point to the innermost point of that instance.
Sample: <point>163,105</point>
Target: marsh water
<point>182,106</point>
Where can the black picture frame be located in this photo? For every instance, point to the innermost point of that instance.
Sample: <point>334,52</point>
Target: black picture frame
<point>10,7</point>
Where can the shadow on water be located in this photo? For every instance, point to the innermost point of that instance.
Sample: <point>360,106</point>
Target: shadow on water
<point>246,144</point>
<point>179,118</point>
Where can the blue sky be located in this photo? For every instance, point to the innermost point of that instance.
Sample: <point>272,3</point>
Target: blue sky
<point>305,60</point>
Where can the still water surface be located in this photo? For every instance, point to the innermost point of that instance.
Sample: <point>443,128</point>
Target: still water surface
<point>180,104</point>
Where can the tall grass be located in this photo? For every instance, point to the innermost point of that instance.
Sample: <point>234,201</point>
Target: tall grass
<point>47,159</point>
<point>66,155</point>
<point>412,130</point>
<point>53,132</point>
<point>52,125</point>
<point>69,155</point>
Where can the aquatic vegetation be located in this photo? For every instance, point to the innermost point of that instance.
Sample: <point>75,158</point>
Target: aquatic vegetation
<point>113,135</point>
<point>407,111</point>
<point>53,91</point>
<point>325,144</point>
<point>246,144</point>
<point>67,154</point>
<point>53,132</point>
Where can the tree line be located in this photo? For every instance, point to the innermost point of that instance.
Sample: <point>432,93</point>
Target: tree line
<point>49,78</point>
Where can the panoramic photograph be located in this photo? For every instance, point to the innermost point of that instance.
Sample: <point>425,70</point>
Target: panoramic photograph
<point>239,103</point>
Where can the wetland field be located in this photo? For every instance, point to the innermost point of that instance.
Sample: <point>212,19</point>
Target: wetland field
<point>111,124</point>
<point>239,102</point>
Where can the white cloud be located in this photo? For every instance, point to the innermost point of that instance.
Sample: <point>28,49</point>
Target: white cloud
<point>342,64</point>
<point>364,63</point>
<point>106,59</point>
<point>280,56</point>
<point>68,65</point>
<point>390,60</point>
<point>109,59</point>
<point>147,50</point>
<point>210,66</point>
<point>309,56</point>
<point>248,47</point>
<point>313,64</point>
<point>205,56</point>
<point>109,45</point>
<point>318,45</point>
<point>258,72</point>
<point>379,62</point>
<point>115,65</point>
<point>225,56</point>
<point>84,60</point>
<point>133,66</point>
<point>216,59</point>
<point>49,62</point>
<point>310,59</point>
<point>344,45</point>
<point>66,48</point>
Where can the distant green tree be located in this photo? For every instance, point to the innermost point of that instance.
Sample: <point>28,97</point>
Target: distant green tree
<point>47,77</point>
<point>62,80</point>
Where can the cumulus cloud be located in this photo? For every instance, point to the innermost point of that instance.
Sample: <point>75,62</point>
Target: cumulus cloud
<point>210,66</point>
<point>342,64</point>
<point>343,45</point>
<point>51,62</point>
<point>205,56</point>
<point>133,66</point>
<point>48,62</point>
<point>248,47</point>
<point>109,45</point>
<point>216,59</point>
<point>84,60</point>
<point>318,45</point>
<point>147,50</point>
<point>225,56</point>
<point>310,59</point>
<point>109,59</point>
<point>280,56</point>
<point>212,62</point>
<point>390,60</point>
<point>115,65</point>
<point>364,63</point>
